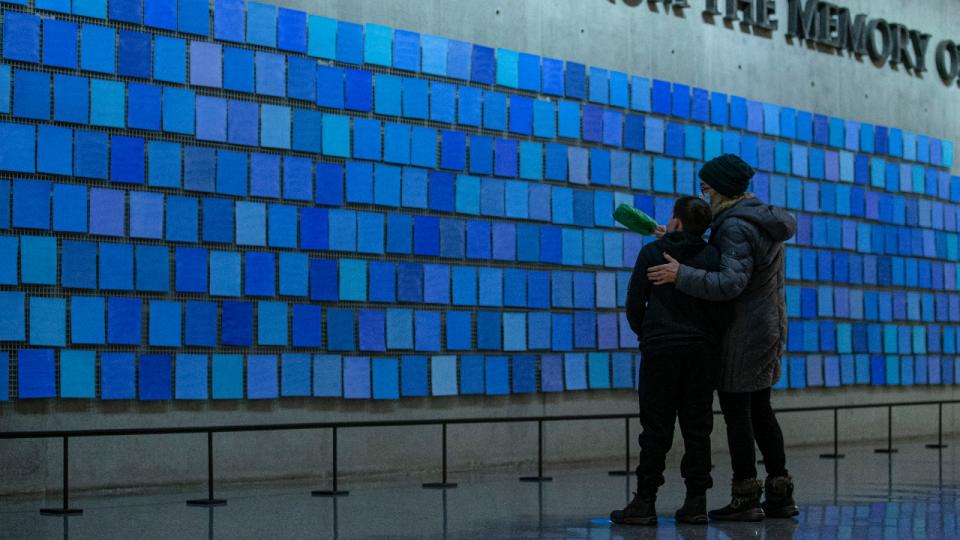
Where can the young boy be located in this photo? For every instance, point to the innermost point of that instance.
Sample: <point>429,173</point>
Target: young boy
<point>679,335</point>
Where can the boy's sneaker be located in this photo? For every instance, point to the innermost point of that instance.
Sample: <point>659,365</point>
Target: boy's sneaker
<point>693,511</point>
<point>745,505</point>
<point>779,502</point>
<point>641,511</point>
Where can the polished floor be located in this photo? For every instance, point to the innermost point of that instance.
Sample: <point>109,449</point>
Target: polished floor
<point>911,494</point>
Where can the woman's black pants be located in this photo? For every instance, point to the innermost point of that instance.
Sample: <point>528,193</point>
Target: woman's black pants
<point>750,420</point>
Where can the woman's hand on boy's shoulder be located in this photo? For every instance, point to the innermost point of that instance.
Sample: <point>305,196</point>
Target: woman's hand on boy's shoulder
<point>665,273</point>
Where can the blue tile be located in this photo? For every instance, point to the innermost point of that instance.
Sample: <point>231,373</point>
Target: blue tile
<point>599,85</point>
<point>482,65</point>
<point>521,115</point>
<point>261,24</point>
<point>458,60</point>
<point>292,30</point>
<point>21,37</point>
<point>160,14</point>
<point>738,112</point>
<point>552,77</point>
<point>718,109</point>
<point>415,100</point>
<point>442,102</point>
<point>31,94</point>
<point>376,47</point>
<point>406,50</point>
<point>575,80</point>
<point>238,70</point>
<point>680,104</point>
<point>60,43</point>
<point>193,17</point>
<point>228,19</point>
<point>47,321</point>
<point>126,10</point>
<point>37,377</point>
<point>662,102</point>
<point>640,94</point>
<point>117,375</point>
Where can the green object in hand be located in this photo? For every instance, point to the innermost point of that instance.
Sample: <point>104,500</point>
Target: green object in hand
<point>634,219</point>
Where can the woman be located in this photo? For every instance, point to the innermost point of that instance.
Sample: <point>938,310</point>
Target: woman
<point>750,236</point>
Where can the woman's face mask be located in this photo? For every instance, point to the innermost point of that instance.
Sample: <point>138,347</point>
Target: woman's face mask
<point>706,192</point>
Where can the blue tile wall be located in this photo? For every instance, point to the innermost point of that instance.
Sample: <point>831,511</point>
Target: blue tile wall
<point>269,203</point>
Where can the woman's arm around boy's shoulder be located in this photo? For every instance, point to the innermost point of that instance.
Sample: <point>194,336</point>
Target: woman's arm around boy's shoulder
<point>711,258</point>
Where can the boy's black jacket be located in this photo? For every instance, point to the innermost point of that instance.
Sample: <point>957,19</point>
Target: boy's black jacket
<point>664,317</point>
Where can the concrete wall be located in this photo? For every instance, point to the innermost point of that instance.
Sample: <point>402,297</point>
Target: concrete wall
<point>637,40</point>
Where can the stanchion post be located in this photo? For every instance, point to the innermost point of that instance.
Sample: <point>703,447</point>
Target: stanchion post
<point>64,510</point>
<point>889,449</point>
<point>443,484</point>
<point>332,492</point>
<point>836,441</point>
<point>939,445</point>
<point>539,477</point>
<point>626,451</point>
<point>210,500</point>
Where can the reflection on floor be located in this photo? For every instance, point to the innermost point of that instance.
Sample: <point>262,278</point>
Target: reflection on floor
<point>912,494</point>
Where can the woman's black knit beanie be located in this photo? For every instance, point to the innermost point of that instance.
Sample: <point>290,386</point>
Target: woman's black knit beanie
<point>728,175</point>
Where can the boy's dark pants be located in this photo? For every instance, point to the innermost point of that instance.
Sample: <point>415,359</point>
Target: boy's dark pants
<point>672,384</point>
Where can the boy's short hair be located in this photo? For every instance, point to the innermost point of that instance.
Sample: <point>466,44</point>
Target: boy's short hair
<point>694,214</point>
